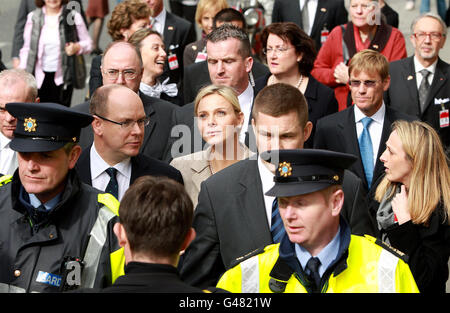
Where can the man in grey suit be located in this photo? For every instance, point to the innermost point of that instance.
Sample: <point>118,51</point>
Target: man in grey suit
<point>122,64</point>
<point>233,215</point>
<point>323,16</point>
<point>429,98</point>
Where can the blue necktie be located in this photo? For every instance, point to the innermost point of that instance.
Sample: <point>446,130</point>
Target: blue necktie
<point>277,228</point>
<point>366,150</point>
<point>113,186</point>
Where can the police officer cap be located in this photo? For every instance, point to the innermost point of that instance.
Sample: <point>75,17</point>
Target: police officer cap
<point>304,171</point>
<point>45,126</point>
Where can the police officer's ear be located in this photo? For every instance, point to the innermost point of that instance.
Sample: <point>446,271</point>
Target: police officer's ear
<point>74,155</point>
<point>336,201</point>
<point>121,235</point>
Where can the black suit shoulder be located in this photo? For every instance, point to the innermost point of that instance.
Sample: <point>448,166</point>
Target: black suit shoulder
<point>145,165</point>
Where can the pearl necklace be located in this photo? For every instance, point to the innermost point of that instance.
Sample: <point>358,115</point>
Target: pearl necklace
<point>271,82</point>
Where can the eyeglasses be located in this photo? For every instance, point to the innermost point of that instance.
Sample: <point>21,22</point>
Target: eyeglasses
<point>277,50</point>
<point>367,83</point>
<point>127,124</point>
<point>435,36</point>
<point>126,74</point>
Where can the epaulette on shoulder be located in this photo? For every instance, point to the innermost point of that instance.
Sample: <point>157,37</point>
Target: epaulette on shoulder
<point>5,179</point>
<point>399,254</point>
<point>246,256</point>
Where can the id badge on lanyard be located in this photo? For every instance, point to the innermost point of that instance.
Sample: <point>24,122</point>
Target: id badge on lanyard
<point>173,61</point>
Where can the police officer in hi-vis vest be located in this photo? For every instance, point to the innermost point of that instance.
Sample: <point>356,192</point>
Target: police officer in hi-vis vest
<point>317,252</point>
<point>56,233</point>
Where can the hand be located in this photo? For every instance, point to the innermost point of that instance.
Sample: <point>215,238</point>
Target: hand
<point>15,62</point>
<point>400,206</point>
<point>72,48</point>
<point>341,73</point>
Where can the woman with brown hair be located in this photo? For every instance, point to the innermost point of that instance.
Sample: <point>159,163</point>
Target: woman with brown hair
<point>413,202</point>
<point>151,45</point>
<point>290,57</point>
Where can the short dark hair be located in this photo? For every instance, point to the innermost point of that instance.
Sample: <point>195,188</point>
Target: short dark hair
<point>280,99</point>
<point>41,3</point>
<point>157,214</point>
<point>226,31</point>
<point>229,15</point>
<point>302,43</point>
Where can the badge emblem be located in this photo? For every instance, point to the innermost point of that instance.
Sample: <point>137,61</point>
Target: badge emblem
<point>285,169</point>
<point>30,125</point>
<point>336,177</point>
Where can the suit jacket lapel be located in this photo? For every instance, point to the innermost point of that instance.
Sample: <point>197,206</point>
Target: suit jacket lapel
<point>409,74</point>
<point>350,136</point>
<point>439,80</point>
<point>251,200</point>
<point>200,168</point>
<point>379,166</point>
<point>321,13</point>
<point>84,166</point>
<point>169,31</point>
<point>150,112</point>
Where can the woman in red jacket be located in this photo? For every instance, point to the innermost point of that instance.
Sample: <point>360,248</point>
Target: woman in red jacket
<point>365,31</point>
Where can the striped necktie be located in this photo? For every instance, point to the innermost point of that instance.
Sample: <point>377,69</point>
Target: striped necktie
<point>277,229</point>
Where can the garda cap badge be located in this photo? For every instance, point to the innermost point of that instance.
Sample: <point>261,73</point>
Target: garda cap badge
<point>30,124</point>
<point>285,169</point>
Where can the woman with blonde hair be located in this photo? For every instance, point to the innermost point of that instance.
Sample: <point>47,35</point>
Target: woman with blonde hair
<point>204,16</point>
<point>219,120</point>
<point>414,202</point>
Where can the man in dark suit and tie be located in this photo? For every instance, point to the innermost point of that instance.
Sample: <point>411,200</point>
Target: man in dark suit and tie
<point>177,33</point>
<point>122,64</point>
<point>229,63</point>
<point>317,21</point>
<point>113,161</point>
<point>233,216</point>
<point>363,128</point>
<point>420,83</point>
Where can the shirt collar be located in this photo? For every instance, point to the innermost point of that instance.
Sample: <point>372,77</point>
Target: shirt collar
<point>161,17</point>
<point>378,117</point>
<point>35,202</point>
<point>266,176</point>
<point>326,256</point>
<point>99,165</point>
<point>246,96</point>
<point>4,141</point>
<point>418,66</point>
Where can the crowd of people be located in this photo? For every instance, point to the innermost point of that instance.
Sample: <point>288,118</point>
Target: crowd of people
<point>199,165</point>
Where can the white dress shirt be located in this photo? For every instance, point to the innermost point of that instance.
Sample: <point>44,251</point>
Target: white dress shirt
<point>418,67</point>
<point>8,157</point>
<point>246,102</point>
<point>100,178</point>
<point>375,128</point>
<point>159,21</point>
<point>267,182</point>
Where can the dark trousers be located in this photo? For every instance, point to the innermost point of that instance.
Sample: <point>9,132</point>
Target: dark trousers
<point>49,92</point>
